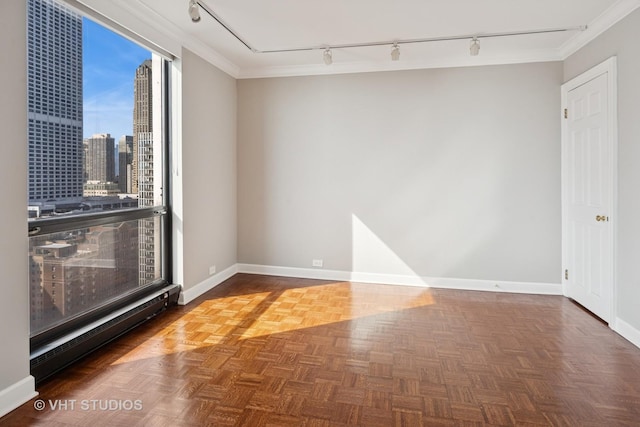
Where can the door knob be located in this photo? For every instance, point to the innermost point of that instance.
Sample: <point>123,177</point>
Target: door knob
<point>602,218</point>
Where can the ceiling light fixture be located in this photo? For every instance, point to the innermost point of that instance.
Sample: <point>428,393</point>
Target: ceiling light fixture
<point>474,48</point>
<point>194,11</point>
<point>327,56</point>
<point>395,52</point>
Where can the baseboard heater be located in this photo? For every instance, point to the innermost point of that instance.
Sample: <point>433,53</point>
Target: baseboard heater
<point>49,359</point>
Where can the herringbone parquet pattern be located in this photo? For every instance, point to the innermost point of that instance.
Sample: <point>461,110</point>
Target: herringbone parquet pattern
<point>268,351</point>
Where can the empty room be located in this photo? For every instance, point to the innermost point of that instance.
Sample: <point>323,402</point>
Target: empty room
<point>330,213</point>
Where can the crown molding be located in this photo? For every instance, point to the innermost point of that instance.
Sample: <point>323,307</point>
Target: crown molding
<point>602,23</point>
<point>212,56</point>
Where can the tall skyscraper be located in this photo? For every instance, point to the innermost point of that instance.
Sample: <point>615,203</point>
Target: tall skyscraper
<point>143,170</point>
<point>100,162</point>
<point>125,159</point>
<point>54,42</point>
<point>142,115</point>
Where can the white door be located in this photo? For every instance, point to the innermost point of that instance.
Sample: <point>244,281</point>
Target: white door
<point>588,195</point>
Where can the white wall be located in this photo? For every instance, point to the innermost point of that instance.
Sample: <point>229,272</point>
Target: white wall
<point>208,170</point>
<point>446,173</point>
<point>621,40</point>
<point>16,385</point>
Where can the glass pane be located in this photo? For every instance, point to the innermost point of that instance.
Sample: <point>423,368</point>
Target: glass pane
<point>94,116</point>
<point>73,272</point>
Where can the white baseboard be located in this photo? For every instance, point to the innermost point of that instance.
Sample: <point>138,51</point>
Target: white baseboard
<point>302,273</point>
<point>17,394</point>
<point>395,279</point>
<point>627,331</point>
<point>188,295</point>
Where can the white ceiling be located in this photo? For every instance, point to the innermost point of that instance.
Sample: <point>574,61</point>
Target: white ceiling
<point>288,24</point>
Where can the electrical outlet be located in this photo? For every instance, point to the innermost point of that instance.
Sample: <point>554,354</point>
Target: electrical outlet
<point>212,270</point>
<point>317,263</point>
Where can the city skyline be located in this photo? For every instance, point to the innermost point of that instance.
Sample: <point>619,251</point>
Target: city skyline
<point>94,79</point>
<point>94,75</point>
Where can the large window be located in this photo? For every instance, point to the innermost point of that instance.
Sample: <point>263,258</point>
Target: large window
<point>97,187</point>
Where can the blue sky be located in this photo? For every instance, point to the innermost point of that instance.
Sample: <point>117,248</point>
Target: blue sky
<point>109,65</point>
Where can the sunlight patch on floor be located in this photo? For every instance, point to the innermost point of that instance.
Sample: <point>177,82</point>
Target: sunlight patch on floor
<point>239,317</point>
<point>337,302</point>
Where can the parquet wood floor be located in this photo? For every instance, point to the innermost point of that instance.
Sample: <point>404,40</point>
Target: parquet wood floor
<point>270,351</point>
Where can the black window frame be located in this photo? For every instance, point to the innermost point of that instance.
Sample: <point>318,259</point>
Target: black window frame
<point>42,226</point>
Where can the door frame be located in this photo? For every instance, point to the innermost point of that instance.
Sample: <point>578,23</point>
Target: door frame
<point>608,67</point>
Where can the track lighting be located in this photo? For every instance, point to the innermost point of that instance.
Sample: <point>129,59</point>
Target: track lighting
<point>474,49</point>
<point>327,56</point>
<point>194,11</point>
<point>395,52</point>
